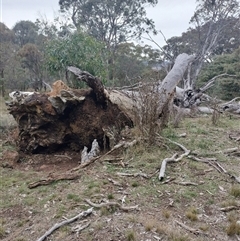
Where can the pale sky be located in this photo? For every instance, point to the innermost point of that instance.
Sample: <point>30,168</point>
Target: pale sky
<point>170,16</point>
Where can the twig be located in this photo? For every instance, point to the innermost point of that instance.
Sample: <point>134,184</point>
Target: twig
<point>114,182</point>
<point>186,183</point>
<point>192,230</point>
<point>79,228</point>
<point>138,174</point>
<point>124,208</point>
<point>216,165</point>
<point>68,157</point>
<point>67,221</point>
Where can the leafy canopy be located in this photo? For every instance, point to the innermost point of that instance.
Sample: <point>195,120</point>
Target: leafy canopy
<point>78,50</point>
<point>110,21</point>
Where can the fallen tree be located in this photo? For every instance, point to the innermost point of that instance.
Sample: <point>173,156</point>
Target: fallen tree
<point>72,119</point>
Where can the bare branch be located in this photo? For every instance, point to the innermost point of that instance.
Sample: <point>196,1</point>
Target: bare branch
<point>67,221</point>
<point>108,204</point>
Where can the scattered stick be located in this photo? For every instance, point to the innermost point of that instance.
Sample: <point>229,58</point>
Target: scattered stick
<point>114,182</point>
<point>65,156</point>
<point>51,178</point>
<point>79,228</point>
<point>226,151</point>
<point>67,221</point>
<point>212,162</point>
<point>186,183</point>
<point>192,230</point>
<point>138,174</point>
<point>174,158</point>
<point>124,208</point>
<point>169,180</point>
<point>230,208</point>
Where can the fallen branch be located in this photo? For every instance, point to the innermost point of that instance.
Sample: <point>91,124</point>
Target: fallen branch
<point>138,174</point>
<point>186,183</point>
<point>108,204</point>
<point>230,208</point>
<point>174,158</point>
<point>212,162</point>
<point>192,230</point>
<point>67,221</point>
<point>51,178</point>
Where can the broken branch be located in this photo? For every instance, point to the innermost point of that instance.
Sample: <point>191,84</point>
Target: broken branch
<point>192,230</point>
<point>174,158</point>
<point>124,208</point>
<point>67,221</point>
<point>51,179</point>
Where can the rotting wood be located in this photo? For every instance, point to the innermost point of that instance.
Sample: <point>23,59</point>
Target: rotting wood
<point>109,204</point>
<point>67,221</point>
<point>53,178</point>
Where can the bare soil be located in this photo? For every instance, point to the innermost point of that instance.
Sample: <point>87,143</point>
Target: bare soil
<point>26,214</point>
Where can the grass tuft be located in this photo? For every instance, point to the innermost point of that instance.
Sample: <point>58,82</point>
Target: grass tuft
<point>235,191</point>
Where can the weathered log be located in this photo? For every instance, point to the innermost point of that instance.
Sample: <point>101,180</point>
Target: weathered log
<point>68,118</point>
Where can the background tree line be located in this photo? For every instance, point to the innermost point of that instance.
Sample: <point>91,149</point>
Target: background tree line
<point>101,39</point>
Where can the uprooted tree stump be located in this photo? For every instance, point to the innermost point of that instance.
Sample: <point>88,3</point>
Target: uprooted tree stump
<point>71,119</point>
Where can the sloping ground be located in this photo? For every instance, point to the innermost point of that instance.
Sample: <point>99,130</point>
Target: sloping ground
<point>28,213</point>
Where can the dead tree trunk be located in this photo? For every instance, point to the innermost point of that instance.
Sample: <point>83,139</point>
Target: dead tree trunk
<point>71,119</point>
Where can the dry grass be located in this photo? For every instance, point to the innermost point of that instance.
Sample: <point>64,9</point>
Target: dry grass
<point>235,191</point>
<point>29,213</point>
<point>192,214</point>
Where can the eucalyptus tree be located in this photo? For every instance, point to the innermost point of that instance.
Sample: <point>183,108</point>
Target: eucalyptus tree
<point>78,49</point>
<point>214,14</point>
<point>110,21</point>
<point>215,31</point>
<point>25,32</point>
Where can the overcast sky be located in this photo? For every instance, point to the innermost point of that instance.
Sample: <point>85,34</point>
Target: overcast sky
<point>170,16</point>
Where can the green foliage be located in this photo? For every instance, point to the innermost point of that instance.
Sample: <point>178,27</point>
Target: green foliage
<point>78,50</point>
<point>111,21</point>
<point>131,61</point>
<point>225,87</point>
<point>25,32</point>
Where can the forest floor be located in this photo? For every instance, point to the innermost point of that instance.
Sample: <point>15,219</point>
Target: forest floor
<point>196,200</point>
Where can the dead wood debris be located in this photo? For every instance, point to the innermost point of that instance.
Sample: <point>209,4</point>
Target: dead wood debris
<point>79,228</point>
<point>174,158</point>
<point>123,144</point>
<point>109,204</point>
<point>139,174</point>
<point>212,162</point>
<point>67,221</point>
<point>192,230</point>
<point>52,178</point>
<point>230,208</point>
